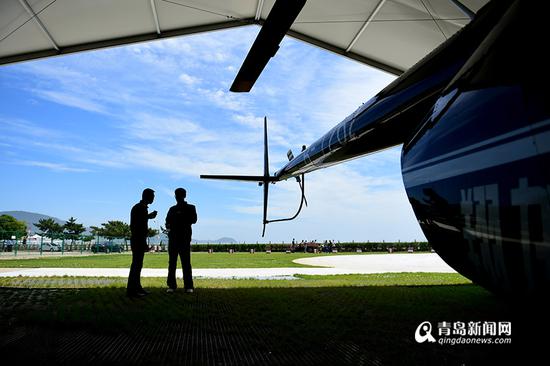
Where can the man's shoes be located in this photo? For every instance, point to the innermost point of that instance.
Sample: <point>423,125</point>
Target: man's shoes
<point>189,290</point>
<point>170,290</point>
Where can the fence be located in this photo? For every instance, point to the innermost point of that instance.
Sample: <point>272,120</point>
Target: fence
<point>321,247</point>
<point>15,243</point>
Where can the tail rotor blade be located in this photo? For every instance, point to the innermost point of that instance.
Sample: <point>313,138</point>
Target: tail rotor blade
<point>266,193</point>
<point>266,174</point>
<point>266,151</point>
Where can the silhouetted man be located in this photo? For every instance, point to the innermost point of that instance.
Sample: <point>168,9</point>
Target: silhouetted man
<point>178,223</point>
<point>138,241</point>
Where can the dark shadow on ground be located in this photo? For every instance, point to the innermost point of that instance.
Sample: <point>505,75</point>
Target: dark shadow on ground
<point>257,326</point>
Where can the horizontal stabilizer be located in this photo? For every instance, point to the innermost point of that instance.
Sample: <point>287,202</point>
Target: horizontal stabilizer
<point>246,178</point>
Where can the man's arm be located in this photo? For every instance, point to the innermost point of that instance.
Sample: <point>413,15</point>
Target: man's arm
<point>168,220</point>
<point>193,216</point>
<point>138,220</point>
<point>134,217</point>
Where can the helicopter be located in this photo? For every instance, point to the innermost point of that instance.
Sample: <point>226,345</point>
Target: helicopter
<point>474,121</point>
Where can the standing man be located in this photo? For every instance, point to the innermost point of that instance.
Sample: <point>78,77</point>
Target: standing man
<point>138,241</point>
<point>178,223</point>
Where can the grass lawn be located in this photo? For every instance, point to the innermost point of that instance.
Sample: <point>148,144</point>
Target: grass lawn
<point>357,280</point>
<point>160,260</point>
<point>314,320</point>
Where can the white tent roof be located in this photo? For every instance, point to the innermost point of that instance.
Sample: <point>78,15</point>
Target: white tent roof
<point>391,35</point>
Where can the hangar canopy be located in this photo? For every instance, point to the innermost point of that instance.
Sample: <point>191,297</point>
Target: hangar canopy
<point>391,35</point>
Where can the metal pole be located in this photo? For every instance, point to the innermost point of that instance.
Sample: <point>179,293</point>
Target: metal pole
<point>13,237</point>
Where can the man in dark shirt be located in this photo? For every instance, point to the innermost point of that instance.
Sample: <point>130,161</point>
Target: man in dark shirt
<point>178,223</point>
<point>138,241</point>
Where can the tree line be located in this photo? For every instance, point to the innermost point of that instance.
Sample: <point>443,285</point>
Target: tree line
<point>10,226</point>
<point>117,230</point>
<point>71,229</point>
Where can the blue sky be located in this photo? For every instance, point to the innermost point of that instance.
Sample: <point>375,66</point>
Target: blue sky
<point>82,135</point>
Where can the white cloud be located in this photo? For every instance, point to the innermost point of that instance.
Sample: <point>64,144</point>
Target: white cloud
<point>53,166</point>
<point>148,127</point>
<point>16,126</point>
<point>361,84</point>
<point>61,73</point>
<point>342,206</point>
<point>70,100</point>
<point>188,79</point>
<point>249,210</point>
<point>186,163</point>
<point>223,99</point>
<point>249,120</point>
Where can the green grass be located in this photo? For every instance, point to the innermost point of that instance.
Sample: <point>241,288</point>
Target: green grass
<point>345,319</point>
<point>160,260</point>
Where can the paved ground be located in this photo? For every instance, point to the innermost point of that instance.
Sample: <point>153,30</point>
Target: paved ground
<point>262,326</point>
<point>382,263</point>
<point>340,325</point>
<point>352,264</point>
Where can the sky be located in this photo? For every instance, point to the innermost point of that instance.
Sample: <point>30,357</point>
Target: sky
<point>82,135</point>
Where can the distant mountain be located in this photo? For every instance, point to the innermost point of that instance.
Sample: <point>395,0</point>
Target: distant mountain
<point>30,218</point>
<point>225,240</point>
